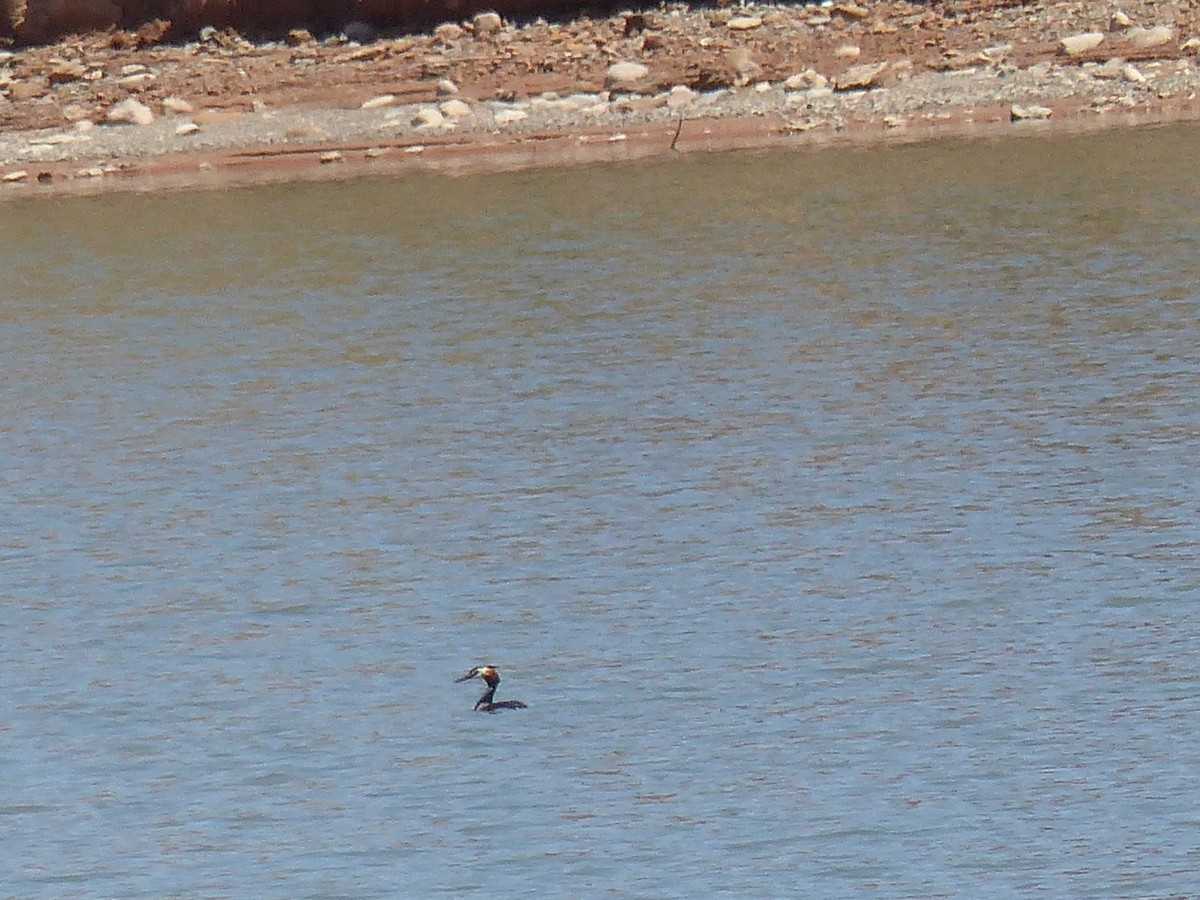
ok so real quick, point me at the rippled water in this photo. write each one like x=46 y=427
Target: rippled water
x=835 y=514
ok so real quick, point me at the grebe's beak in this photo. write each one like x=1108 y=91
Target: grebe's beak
x=468 y=676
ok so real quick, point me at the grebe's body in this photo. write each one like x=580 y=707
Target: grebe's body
x=491 y=678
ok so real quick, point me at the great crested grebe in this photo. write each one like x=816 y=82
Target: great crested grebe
x=491 y=678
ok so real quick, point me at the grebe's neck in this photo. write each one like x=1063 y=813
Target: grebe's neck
x=485 y=702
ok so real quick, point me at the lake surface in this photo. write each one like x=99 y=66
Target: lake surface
x=835 y=513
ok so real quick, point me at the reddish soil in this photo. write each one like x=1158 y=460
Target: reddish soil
x=81 y=77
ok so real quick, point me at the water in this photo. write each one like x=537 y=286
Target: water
x=835 y=514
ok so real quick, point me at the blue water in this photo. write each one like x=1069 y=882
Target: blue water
x=835 y=514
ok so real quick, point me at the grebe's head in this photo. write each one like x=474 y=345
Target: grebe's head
x=487 y=673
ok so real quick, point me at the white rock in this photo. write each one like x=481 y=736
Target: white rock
x=333 y=156
x=996 y=52
x=1119 y=21
x=176 y=105
x=803 y=81
x=859 y=77
x=379 y=100
x=129 y=112
x=1131 y=74
x=455 y=109
x=1029 y=113
x=625 y=76
x=848 y=51
x=1078 y=44
x=136 y=81
x=18 y=175
x=186 y=128
x=509 y=116
x=446 y=88
x=1141 y=38
x=427 y=118
x=581 y=101
x=680 y=97
x=744 y=23
x=487 y=23
x=1110 y=70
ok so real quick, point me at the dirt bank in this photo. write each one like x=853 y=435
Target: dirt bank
x=123 y=109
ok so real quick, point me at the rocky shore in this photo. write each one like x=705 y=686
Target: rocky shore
x=120 y=109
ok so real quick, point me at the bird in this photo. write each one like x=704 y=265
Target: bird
x=491 y=678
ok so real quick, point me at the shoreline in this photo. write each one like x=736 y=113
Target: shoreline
x=301 y=164
x=850 y=86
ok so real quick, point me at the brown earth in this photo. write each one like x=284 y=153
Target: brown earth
x=79 y=78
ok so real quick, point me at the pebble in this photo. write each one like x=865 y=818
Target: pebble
x=1131 y=74
x=1119 y=21
x=1141 y=38
x=62 y=71
x=427 y=118
x=448 y=31
x=859 y=77
x=446 y=88
x=1110 y=70
x=333 y=156
x=848 y=51
x=455 y=109
x=625 y=76
x=379 y=100
x=1078 y=44
x=806 y=80
x=486 y=23
x=18 y=175
x=177 y=105
x=1029 y=113
x=850 y=11
x=744 y=23
x=129 y=112
x=680 y=97
x=136 y=81
x=509 y=116
x=186 y=128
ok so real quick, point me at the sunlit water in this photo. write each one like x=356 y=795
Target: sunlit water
x=836 y=514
